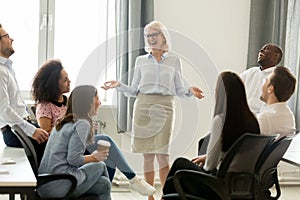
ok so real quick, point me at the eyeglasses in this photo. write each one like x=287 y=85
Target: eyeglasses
x=6 y=35
x=152 y=35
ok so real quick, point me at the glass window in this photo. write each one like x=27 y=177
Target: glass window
x=23 y=27
x=80 y=32
x=73 y=31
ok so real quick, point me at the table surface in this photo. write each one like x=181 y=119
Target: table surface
x=292 y=155
x=19 y=174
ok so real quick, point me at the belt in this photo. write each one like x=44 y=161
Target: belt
x=4 y=128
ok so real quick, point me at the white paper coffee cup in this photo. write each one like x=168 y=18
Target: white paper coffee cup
x=103 y=145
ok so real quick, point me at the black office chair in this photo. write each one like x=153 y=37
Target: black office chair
x=234 y=179
x=43 y=179
x=202 y=144
x=266 y=169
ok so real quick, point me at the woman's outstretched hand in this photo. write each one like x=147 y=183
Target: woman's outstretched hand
x=110 y=84
x=197 y=92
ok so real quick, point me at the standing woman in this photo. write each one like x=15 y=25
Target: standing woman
x=157 y=80
x=49 y=84
x=67 y=143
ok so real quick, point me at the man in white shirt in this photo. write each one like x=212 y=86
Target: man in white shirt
x=268 y=57
x=276 y=117
x=12 y=107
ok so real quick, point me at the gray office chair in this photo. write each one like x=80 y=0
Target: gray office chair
x=43 y=179
x=234 y=179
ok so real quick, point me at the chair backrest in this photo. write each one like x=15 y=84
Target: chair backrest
x=238 y=166
x=28 y=147
x=244 y=153
x=202 y=144
x=268 y=161
x=33 y=109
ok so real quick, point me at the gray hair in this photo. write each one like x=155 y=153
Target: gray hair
x=163 y=30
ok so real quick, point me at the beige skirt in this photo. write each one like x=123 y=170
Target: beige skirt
x=153 y=122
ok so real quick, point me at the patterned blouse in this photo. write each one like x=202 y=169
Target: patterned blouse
x=52 y=110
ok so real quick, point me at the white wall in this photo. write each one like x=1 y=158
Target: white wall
x=220 y=28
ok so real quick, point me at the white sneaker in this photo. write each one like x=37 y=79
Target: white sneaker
x=141 y=186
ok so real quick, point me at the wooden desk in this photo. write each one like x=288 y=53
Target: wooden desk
x=292 y=155
x=20 y=178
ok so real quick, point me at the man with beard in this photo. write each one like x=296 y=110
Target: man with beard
x=268 y=57
x=12 y=107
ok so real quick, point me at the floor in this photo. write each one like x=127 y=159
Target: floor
x=289 y=192
x=131 y=194
x=118 y=193
x=289 y=179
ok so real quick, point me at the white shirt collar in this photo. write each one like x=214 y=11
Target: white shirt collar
x=268 y=70
x=163 y=56
x=274 y=105
x=6 y=62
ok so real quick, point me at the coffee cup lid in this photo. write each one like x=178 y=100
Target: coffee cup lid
x=103 y=143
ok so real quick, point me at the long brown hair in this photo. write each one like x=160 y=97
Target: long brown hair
x=232 y=103
x=79 y=105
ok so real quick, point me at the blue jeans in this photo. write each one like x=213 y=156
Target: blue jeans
x=115 y=158
x=96 y=181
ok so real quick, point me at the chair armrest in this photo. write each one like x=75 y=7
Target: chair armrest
x=192 y=179
x=43 y=179
x=176 y=196
x=171 y=196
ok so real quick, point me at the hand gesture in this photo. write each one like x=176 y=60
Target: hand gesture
x=110 y=84
x=199 y=160
x=197 y=92
x=100 y=155
x=40 y=135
